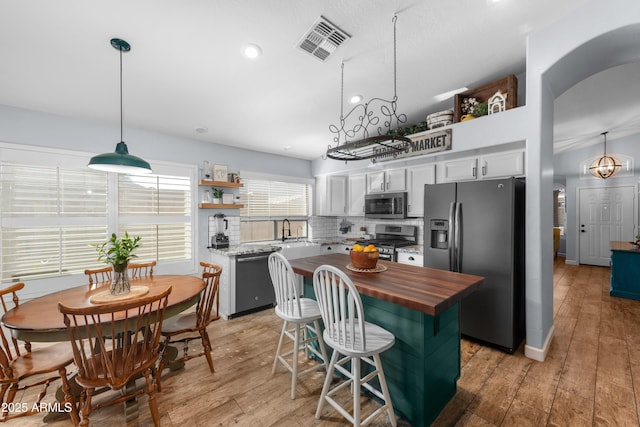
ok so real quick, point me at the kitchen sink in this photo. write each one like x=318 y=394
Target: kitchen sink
x=299 y=249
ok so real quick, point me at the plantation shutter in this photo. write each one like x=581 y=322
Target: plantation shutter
x=158 y=209
x=50 y=215
x=274 y=199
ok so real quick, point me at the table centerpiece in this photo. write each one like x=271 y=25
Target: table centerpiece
x=118 y=252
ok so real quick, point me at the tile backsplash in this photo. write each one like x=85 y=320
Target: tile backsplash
x=328 y=227
x=324 y=227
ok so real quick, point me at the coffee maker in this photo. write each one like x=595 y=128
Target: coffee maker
x=220 y=240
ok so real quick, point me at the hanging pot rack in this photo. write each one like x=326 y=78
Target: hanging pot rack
x=365 y=116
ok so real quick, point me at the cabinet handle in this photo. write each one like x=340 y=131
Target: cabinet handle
x=382 y=186
x=473 y=171
x=388 y=184
x=411 y=258
x=484 y=170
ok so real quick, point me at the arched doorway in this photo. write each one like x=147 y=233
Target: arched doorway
x=597 y=37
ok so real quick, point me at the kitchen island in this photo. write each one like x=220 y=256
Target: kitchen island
x=625 y=270
x=420 y=307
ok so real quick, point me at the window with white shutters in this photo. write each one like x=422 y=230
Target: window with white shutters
x=158 y=209
x=53 y=208
x=49 y=217
x=267 y=203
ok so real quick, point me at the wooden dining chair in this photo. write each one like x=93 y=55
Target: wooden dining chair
x=23 y=369
x=99 y=277
x=212 y=268
x=108 y=358
x=190 y=326
x=142 y=269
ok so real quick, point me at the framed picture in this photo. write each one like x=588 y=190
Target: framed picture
x=227 y=198
x=220 y=173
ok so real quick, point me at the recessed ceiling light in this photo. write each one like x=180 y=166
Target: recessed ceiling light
x=252 y=51
x=287 y=147
x=355 y=99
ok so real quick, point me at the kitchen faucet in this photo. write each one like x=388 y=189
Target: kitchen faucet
x=284 y=238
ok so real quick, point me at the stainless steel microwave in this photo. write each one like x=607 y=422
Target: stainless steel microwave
x=385 y=205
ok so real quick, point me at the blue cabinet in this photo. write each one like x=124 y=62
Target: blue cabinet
x=625 y=270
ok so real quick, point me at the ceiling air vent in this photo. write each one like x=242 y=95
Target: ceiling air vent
x=322 y=39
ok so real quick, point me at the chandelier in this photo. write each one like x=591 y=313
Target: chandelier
x=120 y=161
x=365 y=132
x=605 y=166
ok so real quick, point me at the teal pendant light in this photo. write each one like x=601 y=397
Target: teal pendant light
x=120 y=161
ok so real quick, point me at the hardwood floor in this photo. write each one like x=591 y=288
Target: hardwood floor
x=589 y=377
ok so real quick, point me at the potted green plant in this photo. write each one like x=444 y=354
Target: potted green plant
x=217 y=195
x=118 y=252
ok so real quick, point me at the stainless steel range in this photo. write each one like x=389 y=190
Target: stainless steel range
x=388 y=237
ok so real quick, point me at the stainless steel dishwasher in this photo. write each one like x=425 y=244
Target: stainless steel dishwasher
x=254 y=290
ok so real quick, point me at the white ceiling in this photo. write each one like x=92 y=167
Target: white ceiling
x=186 y=70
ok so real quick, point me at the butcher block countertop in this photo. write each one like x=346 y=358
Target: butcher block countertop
x=427 y=290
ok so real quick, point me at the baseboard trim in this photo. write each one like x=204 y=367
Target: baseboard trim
x=540 y=354
x=571 y=262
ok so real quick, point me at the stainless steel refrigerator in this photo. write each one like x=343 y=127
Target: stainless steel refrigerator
x=478 y=228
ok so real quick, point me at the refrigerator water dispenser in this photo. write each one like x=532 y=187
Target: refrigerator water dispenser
x=439 y=233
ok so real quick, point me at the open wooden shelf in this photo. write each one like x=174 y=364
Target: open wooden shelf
x=219 y=206
x=220 y=184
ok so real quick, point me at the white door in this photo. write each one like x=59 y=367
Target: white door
x=606 y=214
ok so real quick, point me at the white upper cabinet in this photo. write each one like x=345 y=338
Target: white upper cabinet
x=417 y=177
x=457 y=170
x=502 y=165
x=331 y=195
x=357 y=190
x=387 y=180
x=485 y=166
x=336 y=195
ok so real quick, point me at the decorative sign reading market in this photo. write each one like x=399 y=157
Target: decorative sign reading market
x=421 y=144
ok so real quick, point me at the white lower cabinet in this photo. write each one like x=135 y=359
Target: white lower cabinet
x=417 y=177
x=344 y=249
x=227 y=284
x=410 y=258
x=330 y=249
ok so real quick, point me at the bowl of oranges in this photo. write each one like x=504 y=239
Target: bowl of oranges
x=364 y=257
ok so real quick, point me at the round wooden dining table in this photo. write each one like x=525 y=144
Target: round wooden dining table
x=39 y=320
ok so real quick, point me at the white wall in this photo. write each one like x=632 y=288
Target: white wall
x=566 y=165
x=26 y=127
x=595 y=37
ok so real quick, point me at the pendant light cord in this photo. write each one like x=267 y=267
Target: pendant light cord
x=605 y=142
x=121 y=138
x=395 y=66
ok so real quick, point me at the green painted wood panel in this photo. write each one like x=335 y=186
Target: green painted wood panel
x=423 y=366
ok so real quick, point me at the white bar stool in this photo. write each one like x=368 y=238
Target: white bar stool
x=302 y=313
x=350 y=335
